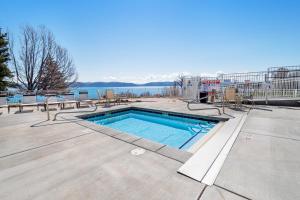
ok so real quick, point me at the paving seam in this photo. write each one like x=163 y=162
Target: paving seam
x=160 y=154
x=274 y=117
x=136 y=140
x=270 y=136
x=44 y=145
x=233 y=192
x=160 y=148
x=202 y=192
x=289 y=108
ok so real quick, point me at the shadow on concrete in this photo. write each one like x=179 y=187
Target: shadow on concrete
x=44 y=122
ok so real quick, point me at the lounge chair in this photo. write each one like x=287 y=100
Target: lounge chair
x=13 y=102
x=84 y=99
x=109 y=98
x=121 y=98
x=28 y=100
x=52 y=100
x=68 y=98
x=100 y=96
x=231 y=96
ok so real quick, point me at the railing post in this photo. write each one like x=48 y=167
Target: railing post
x=266 y=93
x=223 y=106
x=47 y=108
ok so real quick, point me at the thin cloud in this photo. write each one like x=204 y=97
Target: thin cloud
x=153 y=77
x=146 y=78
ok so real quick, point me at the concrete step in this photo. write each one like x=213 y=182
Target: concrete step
x=206 y=158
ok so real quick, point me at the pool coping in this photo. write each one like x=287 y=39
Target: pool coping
x=173 y=153
x=159 y=111
x=205 y=164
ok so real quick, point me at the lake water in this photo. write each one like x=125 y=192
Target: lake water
x=92 y=91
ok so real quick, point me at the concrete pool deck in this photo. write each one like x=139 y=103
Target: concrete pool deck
x=65 y=160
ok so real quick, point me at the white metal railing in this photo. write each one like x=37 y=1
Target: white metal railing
x=271 y=93
x=276 y=82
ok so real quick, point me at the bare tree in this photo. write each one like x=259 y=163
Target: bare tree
x=66 y=65
x=59 y=71
x=37 y=47
x=179 y=81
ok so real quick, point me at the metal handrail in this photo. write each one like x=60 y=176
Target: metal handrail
x=80 y=111
x=193 y=109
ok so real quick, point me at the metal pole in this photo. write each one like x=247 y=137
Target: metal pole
x=47 y=108
x=223 y=106
x=266 y=93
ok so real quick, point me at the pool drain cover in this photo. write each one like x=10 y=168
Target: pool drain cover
x=137 y=151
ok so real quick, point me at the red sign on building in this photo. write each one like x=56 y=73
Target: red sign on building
x=211 y=81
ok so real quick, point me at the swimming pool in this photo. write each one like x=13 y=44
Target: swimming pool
x=176 y=131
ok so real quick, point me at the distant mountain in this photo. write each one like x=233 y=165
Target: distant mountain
x=166 y=83
x=120 y=84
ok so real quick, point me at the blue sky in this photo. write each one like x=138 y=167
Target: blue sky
x=154 y=40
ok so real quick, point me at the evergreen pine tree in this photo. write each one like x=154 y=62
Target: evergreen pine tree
x=52 y=78
x=5 y=73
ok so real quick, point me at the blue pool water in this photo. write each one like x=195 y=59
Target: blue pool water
x=174 y=131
